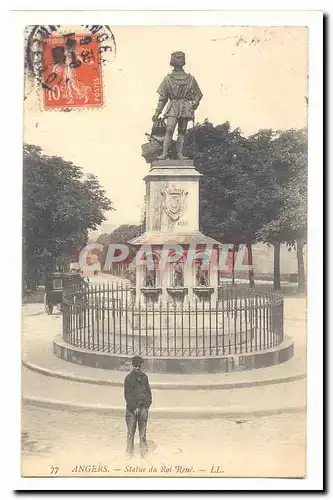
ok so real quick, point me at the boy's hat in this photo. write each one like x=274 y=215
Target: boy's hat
x=137 y=361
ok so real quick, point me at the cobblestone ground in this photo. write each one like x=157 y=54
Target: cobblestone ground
x=271 y=446
x=61 y=443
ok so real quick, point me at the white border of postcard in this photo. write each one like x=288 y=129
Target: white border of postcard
x=11 y=200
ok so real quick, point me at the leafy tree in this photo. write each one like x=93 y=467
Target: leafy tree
x=103 y=238
x=237 y=193
x=122 y=234
x=247 y=192
x=60 y=205
x=294 y=212
x=289 y=165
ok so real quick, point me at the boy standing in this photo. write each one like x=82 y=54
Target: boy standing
x=138 y=400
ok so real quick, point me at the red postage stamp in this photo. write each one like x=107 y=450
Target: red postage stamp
x=72 y=72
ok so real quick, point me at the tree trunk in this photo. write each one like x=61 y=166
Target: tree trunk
x=233 y=264
x=277 y=281
x=300 y=265
x=250 y=263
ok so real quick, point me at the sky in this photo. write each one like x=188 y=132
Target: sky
x=253 y=77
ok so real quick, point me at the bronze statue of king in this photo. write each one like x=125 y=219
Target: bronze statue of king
x=180 y=93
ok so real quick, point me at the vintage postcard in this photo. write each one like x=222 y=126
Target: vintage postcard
x=164 y=281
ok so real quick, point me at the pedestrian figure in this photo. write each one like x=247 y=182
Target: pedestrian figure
x=138 y=400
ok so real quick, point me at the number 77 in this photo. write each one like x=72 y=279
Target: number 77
x=54 y=469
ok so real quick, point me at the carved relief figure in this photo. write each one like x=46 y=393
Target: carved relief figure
x=178 y=276
x=150 y=278
x=202 y=277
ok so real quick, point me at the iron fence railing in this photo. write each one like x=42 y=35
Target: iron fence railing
x=111 y=319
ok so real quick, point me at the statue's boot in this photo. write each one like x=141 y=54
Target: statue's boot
x=181 y=139
x=166 y=145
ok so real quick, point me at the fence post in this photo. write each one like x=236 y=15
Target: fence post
x=65 y=320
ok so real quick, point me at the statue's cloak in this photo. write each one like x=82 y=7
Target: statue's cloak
x=181 y=89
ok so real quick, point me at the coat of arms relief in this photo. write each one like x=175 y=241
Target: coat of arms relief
x=174 y=202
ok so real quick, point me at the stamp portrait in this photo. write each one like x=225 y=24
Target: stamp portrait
x=72 y=75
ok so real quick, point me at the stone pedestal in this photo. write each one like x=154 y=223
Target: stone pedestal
x=172 y=197
x=172 y=218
